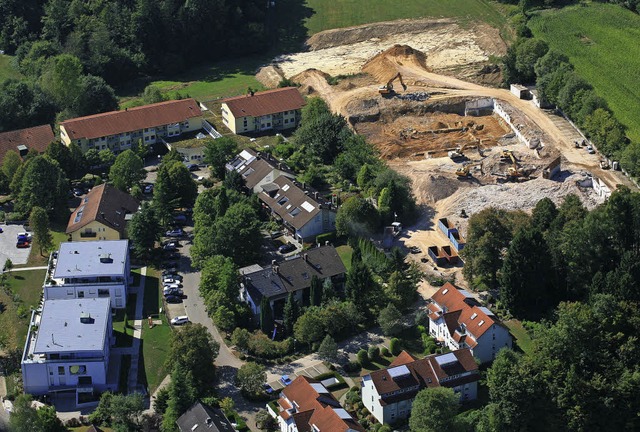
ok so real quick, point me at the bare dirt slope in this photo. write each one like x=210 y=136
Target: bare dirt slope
x=446 y=44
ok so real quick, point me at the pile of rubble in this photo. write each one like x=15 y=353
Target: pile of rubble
x=415 y=97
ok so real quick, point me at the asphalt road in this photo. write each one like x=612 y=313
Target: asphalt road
x=226 y=363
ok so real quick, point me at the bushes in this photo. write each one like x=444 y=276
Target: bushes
x=429 y=344
x=322 y=238
x=363 y=357
x=374 y=353
x=385 y=352
x=258 y=344
x=395 y=346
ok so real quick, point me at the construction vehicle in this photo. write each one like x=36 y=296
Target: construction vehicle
x=387 y=89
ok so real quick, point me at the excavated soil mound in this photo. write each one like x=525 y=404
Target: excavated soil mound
x=310 y=76
x=384 y=66
x=270 y=76
x=434 y=188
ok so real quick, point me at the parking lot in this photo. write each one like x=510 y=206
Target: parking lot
x=8 y=249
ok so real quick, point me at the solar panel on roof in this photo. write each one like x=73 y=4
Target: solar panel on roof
x=398 y=371
x=446 y=359
x=465 y=293
x=319 y=388
x=487 y=311
x=342 y=413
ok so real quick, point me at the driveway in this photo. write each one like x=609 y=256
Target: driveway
x=8 y=249
x=226 y=363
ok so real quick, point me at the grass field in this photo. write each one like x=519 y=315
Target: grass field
x=155 y=341
x=602 y=42
x=26 y=288
x=6 y=68
x=520 y=334
x=346 y=13
x=204 y=83
x=345 y=252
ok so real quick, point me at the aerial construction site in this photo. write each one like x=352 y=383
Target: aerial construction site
x=424 y=94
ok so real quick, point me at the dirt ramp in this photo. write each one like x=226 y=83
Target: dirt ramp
x=385 y=65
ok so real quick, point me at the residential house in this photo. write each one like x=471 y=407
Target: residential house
x=460 y=321
x=303 y=213
x=97 y=269
x=101 y=215
x=23 y=140
x=258 y=169
x=388 y=393
x=255 y=112
x=67 y=348
x=306 y=405
x=118 y=130
x=201 y=417
x=291 y=276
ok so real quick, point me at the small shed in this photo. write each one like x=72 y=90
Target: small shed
x=521 y=91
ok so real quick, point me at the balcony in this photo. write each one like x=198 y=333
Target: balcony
x=88 y=234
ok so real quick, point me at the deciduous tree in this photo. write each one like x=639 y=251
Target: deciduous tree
x=144 y=230
x=251 y=377
x=434 y=410
x=218 y=152
x=127 y=170
x=40 y=225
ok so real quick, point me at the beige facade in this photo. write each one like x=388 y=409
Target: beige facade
x=123 y=141
x=278 y=121
x=95 y=231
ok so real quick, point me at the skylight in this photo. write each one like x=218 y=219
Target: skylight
x=78 y=215
x=480 y=323
x=474 y=315
x=446 y=290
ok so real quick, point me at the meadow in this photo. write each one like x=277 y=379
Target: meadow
x=6 y=68
x=346 y=13
x=601 y=41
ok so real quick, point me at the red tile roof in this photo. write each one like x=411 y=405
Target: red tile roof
x=35 y=138
x=426 y=372
x=461 y=309
x=266 y=102
x=403 y=359
x=317 y=408
x=132 y=119
x=105 y=204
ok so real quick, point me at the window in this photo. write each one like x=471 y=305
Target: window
x=80 y=294
x=60 y=370
x=103 y=293
x=286 y=121
x=118 y=293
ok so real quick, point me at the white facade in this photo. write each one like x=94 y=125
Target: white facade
x=485 y=348
x=323 y=222
x=66 y=352
x=97 y=269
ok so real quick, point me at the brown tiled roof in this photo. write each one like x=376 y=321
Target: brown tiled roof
x=274 y=194
x=324 y=408
x=465 y=310
x=266 y=102
x=106 y=204
x=424 y=373
x=132 y=119
x=35 y=138
x=403 y=359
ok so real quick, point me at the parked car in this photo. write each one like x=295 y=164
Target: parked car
x=169 y=280
x=276 y=234
x=173 y=292
x=286 y=248
x=172 y=256
x=179 y=320
x=193 y=167
x=590 y=150
x=173 y=299
x=78 y=192
x=175 y=233
x=284 y=379
x=180 y=219
x=22 y=244
x=148 y=189
x=414 y=250
x=168 y=286
x=1 y=231
x=169 y=269
x=174 y=276
x=267 y=388
x=169 y=247
x=24 y=236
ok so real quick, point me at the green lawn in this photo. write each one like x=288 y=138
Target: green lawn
x=602 y=42
x=155 y=341
x=345 y=252
x=225 y=79
x=520 y=334
x=28 y=286
x=346 y=13
x=6 y=68
x=27 y=290
x=123 y=323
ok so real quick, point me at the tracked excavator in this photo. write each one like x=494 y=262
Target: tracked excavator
x=387 y=89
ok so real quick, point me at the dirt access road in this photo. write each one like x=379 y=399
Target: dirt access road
x=420 y=79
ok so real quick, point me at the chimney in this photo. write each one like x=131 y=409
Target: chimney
x=305 y=257
x=315 y=195
x=326 y=242
x=102 y=215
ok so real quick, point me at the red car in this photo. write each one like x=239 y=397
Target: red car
x=22 y=244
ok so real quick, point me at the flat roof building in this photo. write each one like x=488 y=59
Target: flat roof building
x=90 y=269
x=68 y=347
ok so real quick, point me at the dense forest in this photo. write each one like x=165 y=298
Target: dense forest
x=72 y=52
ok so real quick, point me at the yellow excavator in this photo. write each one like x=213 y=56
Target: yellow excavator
x=387 y=89
x=513 y=170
